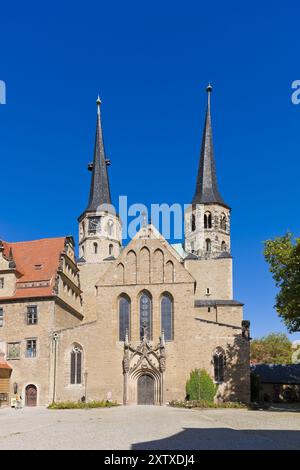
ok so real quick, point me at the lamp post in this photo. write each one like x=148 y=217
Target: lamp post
x=55 y=340
x=85 y=384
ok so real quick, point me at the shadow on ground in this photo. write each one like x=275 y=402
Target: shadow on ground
x=224 y=438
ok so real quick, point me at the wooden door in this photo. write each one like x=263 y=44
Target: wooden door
x=31 y=395
x=145 y=390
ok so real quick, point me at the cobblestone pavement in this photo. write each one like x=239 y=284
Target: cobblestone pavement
x=142 y=427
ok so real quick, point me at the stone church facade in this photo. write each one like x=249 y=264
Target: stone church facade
x=124 y=323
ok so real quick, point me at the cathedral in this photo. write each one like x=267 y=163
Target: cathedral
x=124 y=323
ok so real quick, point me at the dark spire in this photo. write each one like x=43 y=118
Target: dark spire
x=100 y=190
x=207 y=186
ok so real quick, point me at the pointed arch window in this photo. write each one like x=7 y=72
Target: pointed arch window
x=110 y=226
x=219 y=365
x=207 y=220
x=124 y=316
x=76 y=365
x=208 y=245
x=146 y=315
x=223 y=222
x=193 y=223
x=223 y=246
x=167 y=316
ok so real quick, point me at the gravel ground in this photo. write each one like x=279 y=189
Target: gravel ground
x=148 y=427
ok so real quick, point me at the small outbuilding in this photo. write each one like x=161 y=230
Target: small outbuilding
x=279 y=382
x=5 y=373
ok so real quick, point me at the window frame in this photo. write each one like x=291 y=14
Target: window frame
x=35 y=314
x=76 y=351
x=167 y=295
x=1 y=317
x=217 y=357
x=149 y=296
x=33 y=354
x=10 y=343
x=126 y=298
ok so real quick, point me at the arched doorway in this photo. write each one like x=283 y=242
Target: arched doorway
x=31 y=395
x=145 y=390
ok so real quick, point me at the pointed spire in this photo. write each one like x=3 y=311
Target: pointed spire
x=207 y=186
x=100 y=190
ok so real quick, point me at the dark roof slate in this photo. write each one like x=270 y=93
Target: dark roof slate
x=207 y=191
x=100 y=189
x=277 y=373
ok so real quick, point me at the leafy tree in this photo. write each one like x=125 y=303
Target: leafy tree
x=200 y=386
x=275 y=348
x=283 y=256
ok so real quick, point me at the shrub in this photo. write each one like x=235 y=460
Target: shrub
x=202 y=404
x=200 y=386
x=75 y=405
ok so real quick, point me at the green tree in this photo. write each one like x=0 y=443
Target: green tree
x=275 y=348
x=200 y=386
x=283 y=256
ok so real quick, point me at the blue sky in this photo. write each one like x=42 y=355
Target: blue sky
x=150 y=62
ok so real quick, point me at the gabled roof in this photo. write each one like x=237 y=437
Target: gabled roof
x=148 y=237
x=277 y=373
x=37 y=263
x=207 y=191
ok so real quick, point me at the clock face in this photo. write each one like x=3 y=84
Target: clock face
x=94 y=224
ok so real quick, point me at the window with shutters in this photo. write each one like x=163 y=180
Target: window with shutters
x=76 y=365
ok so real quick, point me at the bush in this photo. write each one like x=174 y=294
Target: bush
x=205 y=404
x=73 y=405
x=200 y=386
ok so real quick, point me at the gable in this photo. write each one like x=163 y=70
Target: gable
x=146 y=260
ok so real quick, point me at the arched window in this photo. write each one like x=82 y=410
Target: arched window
x=219 y=365
x=167 y=317
x=76 y=365
x=111 y=250
x=193 y=222
x=223 y=246
x=145 y=315
x=124 y=316
x=110 y=226
x=207 y=220
x=95 y=248
x=208 y=245
x=82 y=230
x=223 y=222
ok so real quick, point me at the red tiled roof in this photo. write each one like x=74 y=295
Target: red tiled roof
x=3 y=364
x=36 y=261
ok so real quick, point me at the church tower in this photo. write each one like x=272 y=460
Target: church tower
x=207 y=220
x=100 y=231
